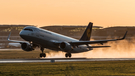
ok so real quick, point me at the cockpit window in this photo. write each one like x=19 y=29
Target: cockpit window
x=28 y=29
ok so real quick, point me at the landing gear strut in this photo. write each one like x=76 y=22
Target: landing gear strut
x=42 y=54
x=68 y=55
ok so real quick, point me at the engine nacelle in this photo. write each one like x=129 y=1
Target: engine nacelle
x=26 y=47
x=65 y=46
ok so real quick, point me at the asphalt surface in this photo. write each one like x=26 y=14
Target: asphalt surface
x=61 y=60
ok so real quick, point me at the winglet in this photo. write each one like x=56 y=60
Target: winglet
x=123 y=36
x=9 y=36
x=16 y=40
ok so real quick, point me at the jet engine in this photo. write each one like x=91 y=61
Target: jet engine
x=26 y=47
x=65 y=46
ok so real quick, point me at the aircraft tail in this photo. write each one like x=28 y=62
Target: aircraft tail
x=87 y=34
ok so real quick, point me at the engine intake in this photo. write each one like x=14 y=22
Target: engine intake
x=26 y=47
x=65 y=46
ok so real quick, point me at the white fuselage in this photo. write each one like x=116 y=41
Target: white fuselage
x=47 y=39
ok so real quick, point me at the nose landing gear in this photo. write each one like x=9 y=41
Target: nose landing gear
x=42 y=54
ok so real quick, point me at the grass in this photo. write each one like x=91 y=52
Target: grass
x=20 y=54
x=94 y=68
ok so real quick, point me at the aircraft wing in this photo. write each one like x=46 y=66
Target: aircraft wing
x=16 y=40
x=96 y=41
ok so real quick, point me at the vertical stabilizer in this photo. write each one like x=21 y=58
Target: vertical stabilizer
x=87 y=34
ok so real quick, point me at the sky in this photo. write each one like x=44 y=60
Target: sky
x=68 y=12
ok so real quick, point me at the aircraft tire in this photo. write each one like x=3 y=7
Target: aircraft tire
x=69 y=55
x=66 y=55
x=44 y=55
x=40 y=54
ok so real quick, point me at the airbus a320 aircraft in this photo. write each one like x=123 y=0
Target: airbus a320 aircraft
x=37 y=37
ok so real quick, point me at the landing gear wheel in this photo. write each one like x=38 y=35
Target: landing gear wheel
x=42 y=55
x=68 y=55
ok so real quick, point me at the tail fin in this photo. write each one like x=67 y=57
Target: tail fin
x=87 y=34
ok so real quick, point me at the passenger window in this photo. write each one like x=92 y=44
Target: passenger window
x=28 y=29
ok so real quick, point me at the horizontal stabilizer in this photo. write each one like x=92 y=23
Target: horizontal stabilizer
x=98 y=46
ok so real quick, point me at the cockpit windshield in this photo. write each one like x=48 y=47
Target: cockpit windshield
x=28 y=29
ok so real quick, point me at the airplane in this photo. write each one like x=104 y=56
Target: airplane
x=37 y=37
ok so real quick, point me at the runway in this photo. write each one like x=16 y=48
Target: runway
x=61 y=60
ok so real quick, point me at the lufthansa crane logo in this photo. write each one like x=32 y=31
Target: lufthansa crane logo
x=88 y=33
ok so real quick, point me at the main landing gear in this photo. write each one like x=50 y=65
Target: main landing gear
x=68 y=55
x=42 y=54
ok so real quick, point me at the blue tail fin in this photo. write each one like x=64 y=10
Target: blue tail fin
x=87 y=34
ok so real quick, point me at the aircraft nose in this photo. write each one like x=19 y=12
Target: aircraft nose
x=21 y=33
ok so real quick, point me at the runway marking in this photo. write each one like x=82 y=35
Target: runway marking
x=61 y=60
